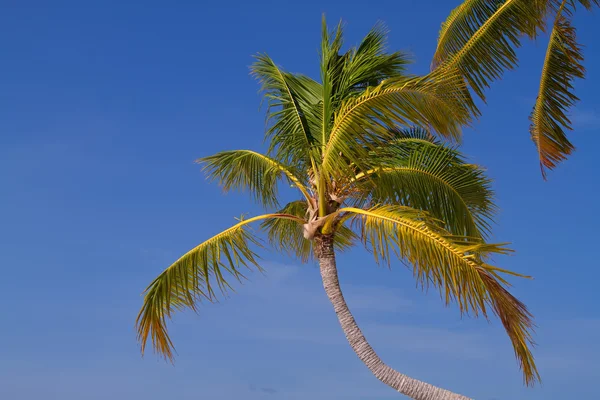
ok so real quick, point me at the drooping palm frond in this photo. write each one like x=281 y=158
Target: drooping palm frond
x=457 y=268
x=252 y=171
x=193 y=278
x=293 y=115
x=479 y=37
x=517 y=321
x=413 y=171
x=549 y=118
x=438 y=101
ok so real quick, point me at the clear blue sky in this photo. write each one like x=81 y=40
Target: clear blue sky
x=104 y=105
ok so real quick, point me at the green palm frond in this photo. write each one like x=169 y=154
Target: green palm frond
x=293 y=114
x=439 y=101
x=454 y=266
x=344 y=237
x=287 y=235
x=345 y=75
x=415 y=172
x=252 y=171
x=332 y=64
x=479 y=38
x=401 y=144
x=400 y=138
x=193 y=278
x=549 y=116
x=368 y=64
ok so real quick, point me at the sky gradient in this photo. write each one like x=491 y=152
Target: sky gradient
x=104 y=105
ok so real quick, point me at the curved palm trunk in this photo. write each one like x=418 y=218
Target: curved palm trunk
x=410 y=387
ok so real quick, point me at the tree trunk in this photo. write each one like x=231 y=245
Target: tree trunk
x=410 y=387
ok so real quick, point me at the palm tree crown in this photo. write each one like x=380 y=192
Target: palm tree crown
x=362 y=146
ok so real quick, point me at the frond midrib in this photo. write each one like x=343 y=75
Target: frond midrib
x=285 y=170
x=473 y=39
x=232 y=229
x=413 y=226
x=442 y=35
x=336 y=127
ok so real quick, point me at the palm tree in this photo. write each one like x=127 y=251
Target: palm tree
x=479 y=38
x=360 y=148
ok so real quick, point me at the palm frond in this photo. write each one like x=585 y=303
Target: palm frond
x=417 y=173
x=415 y=133
x=549 y=118
x=479 y=37
x=287 y=235
x=344 y=237
x=332 y=64
x=248 y=170
x=439 y=101
x=293 y=114
x=517 y=321
x=589 y=4
x=193 y=278
x=368 y=64
x=453 y=265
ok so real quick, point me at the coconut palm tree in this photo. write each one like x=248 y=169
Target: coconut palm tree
x=480 y=37
x=362 y=148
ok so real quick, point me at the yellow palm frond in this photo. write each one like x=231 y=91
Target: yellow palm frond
x=193 y=278
x=549 y=118
x=455 y=265
x=249 y=170
x=479 y=37
x=439 y=101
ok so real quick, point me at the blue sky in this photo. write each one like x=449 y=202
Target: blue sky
x=104 y=105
